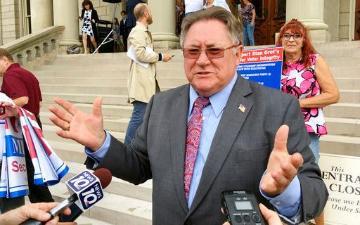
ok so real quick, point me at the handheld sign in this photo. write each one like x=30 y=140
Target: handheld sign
x=263 y=66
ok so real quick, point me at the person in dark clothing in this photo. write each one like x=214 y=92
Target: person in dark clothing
x=23 y=87
x=130 y=18
x=124 y=31
x=90 y=18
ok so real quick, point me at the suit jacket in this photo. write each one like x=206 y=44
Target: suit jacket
x=237 y=159
x=142 y=82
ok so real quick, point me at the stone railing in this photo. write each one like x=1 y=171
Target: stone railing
x=36 y=49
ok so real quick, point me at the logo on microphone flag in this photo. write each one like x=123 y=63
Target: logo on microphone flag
x=87 y=188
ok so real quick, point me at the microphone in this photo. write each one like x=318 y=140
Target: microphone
x=85 y=189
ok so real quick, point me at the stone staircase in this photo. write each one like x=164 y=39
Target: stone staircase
x=80 y=78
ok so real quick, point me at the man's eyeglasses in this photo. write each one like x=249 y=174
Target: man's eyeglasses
x=211 y=53
x=294 y=36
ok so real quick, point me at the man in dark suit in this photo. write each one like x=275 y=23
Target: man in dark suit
x=219 y=132
x=131 y=20
x=124 y=32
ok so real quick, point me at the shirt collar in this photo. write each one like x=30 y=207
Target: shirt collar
x=217 y=101
x=13 y=65
x=143 y=27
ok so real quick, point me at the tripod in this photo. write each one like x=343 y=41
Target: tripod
x=108 y=39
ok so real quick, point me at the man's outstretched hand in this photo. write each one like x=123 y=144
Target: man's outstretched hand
x=86 y=129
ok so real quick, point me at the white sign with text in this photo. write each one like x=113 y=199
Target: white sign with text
x=341 y=175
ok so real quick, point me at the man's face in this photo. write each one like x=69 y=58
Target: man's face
x=209 y=76
x=3 y=65
x=149 y=18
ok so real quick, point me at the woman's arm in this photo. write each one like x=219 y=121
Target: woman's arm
x=329 y=91
x=95 y=16
x=253 y=16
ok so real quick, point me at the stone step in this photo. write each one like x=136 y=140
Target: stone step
x=113 y=209
x=109 y=111
x=48 y=97
x=117 y=186
x=67 y=150
x=106 y=81
x=50 y=133
x=352 y=72
x=343 y=110
x=113 y=125
x=350 y=96
x=122 y=72
x=84 y=89
x=342 y=126
x=348 y=83
x=338 y=144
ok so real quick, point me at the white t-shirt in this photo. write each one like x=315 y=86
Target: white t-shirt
x=193 y=5
x=220 y=3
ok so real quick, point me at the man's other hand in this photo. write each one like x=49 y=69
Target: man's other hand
x=282 y=167
x=166 y=57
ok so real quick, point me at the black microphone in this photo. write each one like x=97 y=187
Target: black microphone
x=86 y=191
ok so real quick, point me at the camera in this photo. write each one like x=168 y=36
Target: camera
x=241 y=208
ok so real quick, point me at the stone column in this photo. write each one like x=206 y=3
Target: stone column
x=163 y=27
x=66 y=13
x=311 y=13
x=41 y=14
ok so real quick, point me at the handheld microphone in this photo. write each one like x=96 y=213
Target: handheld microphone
x=86 y=191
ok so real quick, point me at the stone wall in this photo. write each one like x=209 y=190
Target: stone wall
x=9 y=16
x=344 y=20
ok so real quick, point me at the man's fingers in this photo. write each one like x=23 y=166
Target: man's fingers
x=265 y=212
x=289 y=170
x=281 y=138
x=68 y=106
x=33 y=211
x=97 y=107
x=297 y=160
x=60 y=113
x=59 y=122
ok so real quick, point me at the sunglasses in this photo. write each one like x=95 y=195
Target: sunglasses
x=296 y=36
x=211 y=53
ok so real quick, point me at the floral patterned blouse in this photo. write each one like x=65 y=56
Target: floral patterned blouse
x=301 y=82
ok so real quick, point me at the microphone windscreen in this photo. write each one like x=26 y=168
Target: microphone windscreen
x=104 y=176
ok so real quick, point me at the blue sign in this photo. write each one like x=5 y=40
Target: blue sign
x=263 y=66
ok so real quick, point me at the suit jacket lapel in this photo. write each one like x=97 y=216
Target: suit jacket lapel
x=177 y=133
x=230 y=124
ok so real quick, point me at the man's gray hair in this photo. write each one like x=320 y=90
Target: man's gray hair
x=214 y=13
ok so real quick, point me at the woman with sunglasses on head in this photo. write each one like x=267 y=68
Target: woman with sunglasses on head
x=90 y=18
x=307 y=76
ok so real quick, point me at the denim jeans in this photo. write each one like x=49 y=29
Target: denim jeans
x=315 y=146
x=248 y=35
x=135 y=120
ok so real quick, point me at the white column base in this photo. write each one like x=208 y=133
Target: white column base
x=318 y=31
x=165 y=40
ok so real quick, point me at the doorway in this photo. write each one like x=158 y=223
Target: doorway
x=270 y=17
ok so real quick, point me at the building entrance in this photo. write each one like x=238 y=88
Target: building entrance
x=270 y=17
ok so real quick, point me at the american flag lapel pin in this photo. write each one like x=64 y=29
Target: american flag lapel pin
x=242 y=108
